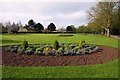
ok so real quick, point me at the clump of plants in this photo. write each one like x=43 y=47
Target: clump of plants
x=82 y=44
x=24 y=44
x=68 y=49
x=56 y=45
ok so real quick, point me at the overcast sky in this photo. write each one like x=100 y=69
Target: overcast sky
x=62 y=13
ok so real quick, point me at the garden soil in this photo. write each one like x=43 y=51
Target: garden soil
x=14 y=59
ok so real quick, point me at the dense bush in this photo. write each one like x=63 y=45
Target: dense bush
x=24 y=44
x=56 y=45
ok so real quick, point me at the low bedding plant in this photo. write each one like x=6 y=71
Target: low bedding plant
x=54 y=50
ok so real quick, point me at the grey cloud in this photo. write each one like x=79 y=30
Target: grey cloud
x=61 y=13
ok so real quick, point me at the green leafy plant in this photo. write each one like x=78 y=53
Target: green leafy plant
x=60 y=49
x=45 y=51
x=76 y=48
x=24 y=44
x=56 y=45
x=34 y=48
x=38 y=49
x=82 y=44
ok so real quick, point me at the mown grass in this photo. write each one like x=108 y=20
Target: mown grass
x=12 y=39
x=107 y=70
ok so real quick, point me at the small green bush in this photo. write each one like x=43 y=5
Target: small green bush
x=82 y=44
x=24 y=44
x=56 y=45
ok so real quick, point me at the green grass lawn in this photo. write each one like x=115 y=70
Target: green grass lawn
x=107 y=70
x=12 y=39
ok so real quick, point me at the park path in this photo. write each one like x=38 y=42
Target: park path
x=114 y=36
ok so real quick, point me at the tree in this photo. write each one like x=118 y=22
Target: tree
x=70 y=28
x=1 y=27
x=115 y=28
x=51 y=27
x=102 y=14
x=31 y=22
x=94 y=27
x=80 y=29
x=38 y=27
x=12 y=28
x=32 y=26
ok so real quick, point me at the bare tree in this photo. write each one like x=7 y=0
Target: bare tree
x=102 y=14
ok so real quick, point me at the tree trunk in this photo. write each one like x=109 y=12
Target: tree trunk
x=108 y=32
x=108 y=28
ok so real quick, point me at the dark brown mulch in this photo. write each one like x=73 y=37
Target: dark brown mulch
x=14 y=59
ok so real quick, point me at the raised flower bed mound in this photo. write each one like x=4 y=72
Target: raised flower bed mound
x=59 y=50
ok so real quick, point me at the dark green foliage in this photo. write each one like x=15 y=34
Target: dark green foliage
x=38 y=27
x=51 y=27
x=32 y=26
x=70 y=28
x=31 y=22
x=24 y=44
x=56 y=45
x=66 y=35
x=34 y=48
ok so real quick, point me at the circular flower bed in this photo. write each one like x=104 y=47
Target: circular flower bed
x=14 y=59
x=66 y=35
x=48 y=49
